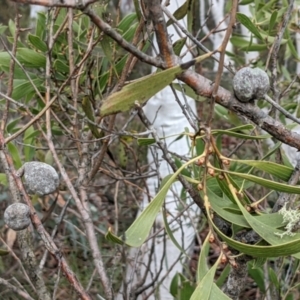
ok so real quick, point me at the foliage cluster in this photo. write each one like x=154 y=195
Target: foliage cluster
x=63 y=86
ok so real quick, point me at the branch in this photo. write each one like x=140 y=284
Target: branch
x=58 y=3
x=16 y=290
x=47 y=240
x=111 y=32
x=204 y=87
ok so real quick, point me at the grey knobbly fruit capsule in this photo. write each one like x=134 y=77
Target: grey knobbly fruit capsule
x=250 y=84
x=40 y=178
x=17 y=216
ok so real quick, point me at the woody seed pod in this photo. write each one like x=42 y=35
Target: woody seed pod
x=17 y=216
x=250 y=84
x=40 y=178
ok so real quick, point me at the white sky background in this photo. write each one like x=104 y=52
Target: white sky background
x=34 y=9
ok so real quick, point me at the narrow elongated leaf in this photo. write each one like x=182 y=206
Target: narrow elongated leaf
x=139 y=230
x=3 y=179
x=291 y=45
x=60 y=66
x=245 y=2
x=180 y=13
x=37 y=42
x=12 y=126
x=273 y=20
x=170 y=234
x=31 y=58
x=243 y=44
x=205 y=286
x=126 y=22
x=248 y=24
x=273 y=220
x=142 y=89
x=202 y=267
x=178 y=45
x=40 y=25
x=4 y=59
x=258 y=250
x=13 y=150
x=24 y=87
x=242 y=135
x=281 y=187
x=267 y=232
x=281 y=246
x=216 y=293
x=29 y=151
x=145 y=141
x=181 y=288
x=2 y=28
x=12 y=27
x=3 y=252
x=89 y=111
x=241 y=127
x=280 y=171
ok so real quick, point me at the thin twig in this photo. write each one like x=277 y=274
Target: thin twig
x=16 y=290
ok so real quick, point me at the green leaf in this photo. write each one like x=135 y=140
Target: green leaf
x=207 y=289
x=216 y=293
x=40 y=25
x=11 y=127
x=31 y=58
x=291 y=45
x=241 y=135
x=170 y=233
x=29 y=151
x=89 y=111
x=122 y=155
x=281 y=246
x=257 y=274
x=2 y=28
x=24 y=87
x=273 y=20
x=12 y=27
x=3 y=179
x=222 y=278
x=145 y=141
x=142 y=89
x=224 y=209
x=180 y=12
x=245 y=2
x=261 y=251
x=106 y=45
x=246 y=45
x=248 y=24
x=178 y=45
x=139 y=230
x=37 y=42
x=281 y=187
x=274 y=279
x=181 y=288
x=113 y=238
x=280 y=171
x=126 y=22
x=4 y=59
x=3 y=252
x=14 y=152
x=241 y=128
x=202 y=267
x=61 y=66
x=128 y=35
x=267 y=232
